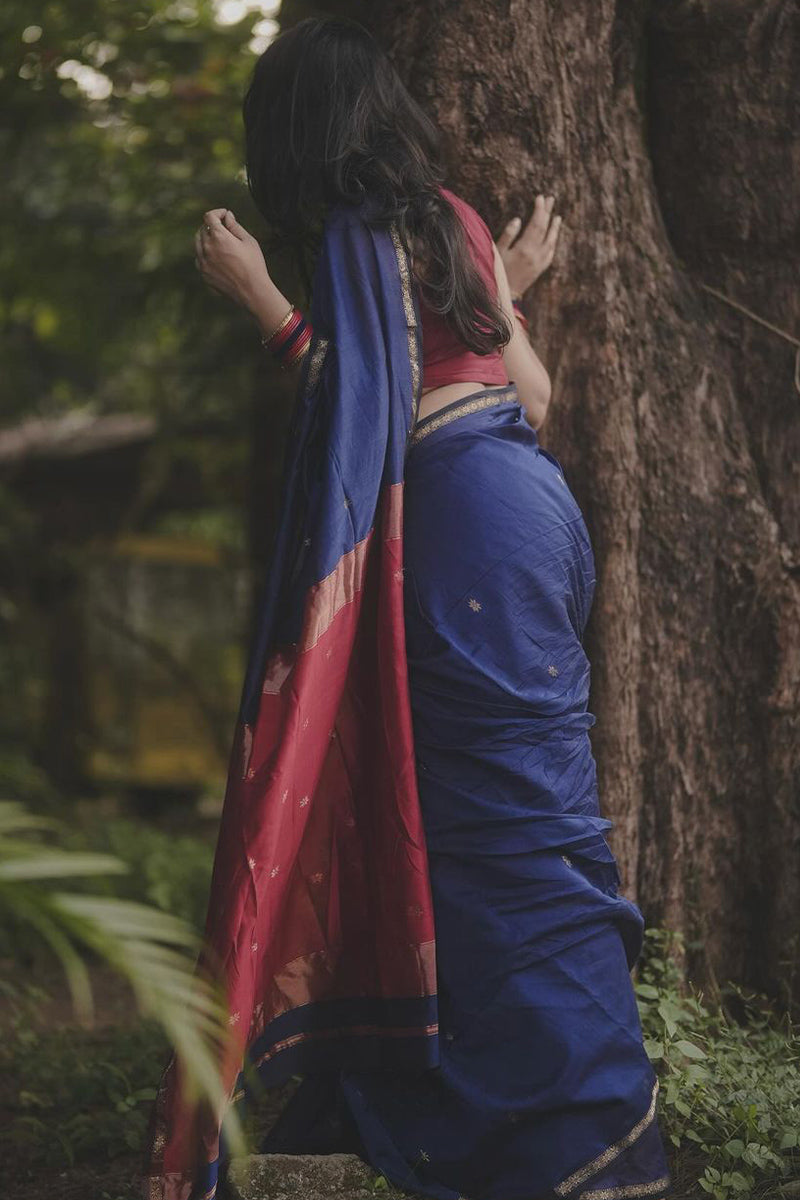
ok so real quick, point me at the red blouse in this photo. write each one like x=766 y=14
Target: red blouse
x=446 y=359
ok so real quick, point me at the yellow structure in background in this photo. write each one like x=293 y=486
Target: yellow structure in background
x=165 y=624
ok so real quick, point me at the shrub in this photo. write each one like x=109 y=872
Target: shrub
x=730 y=1088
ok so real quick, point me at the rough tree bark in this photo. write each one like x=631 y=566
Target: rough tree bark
x=677 y=423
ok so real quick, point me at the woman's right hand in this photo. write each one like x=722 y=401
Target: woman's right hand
x=230 y=259
x=529 y=256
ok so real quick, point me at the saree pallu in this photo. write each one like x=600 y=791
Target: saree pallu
x=319 y=928
x=543 y=1088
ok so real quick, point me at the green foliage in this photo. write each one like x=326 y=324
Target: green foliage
x=120 y=126
x=153 y=951
x=170 y=871
x=75 y=1094
x=730 y=1088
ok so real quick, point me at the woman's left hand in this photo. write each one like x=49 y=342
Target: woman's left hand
x=532 y=253
x=229 y=258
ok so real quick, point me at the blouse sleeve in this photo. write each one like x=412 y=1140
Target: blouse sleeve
x=479 y=237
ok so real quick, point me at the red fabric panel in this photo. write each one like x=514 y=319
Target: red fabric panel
x=320 y=886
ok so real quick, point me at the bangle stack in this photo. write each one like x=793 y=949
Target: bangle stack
x=290 y=341
x=517 y=302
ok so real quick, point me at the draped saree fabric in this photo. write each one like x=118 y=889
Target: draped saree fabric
x=543 y=1090
x=412 y=761
x=319 y=921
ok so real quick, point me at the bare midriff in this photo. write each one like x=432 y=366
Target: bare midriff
x=436 y=397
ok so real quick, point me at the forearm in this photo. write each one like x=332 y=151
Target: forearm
x=284 y=329
x=528 y=371
x=521 y=360
x=268 y=306
x=533 y=384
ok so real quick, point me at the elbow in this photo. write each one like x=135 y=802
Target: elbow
x=535 y=398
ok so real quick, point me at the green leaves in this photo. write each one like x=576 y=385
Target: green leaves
x=153 y=950
x=730 y=1089
x=690 y=1050
x=118 y=129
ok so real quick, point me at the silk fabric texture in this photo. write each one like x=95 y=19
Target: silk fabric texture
x=319 y=924
x=413 y=903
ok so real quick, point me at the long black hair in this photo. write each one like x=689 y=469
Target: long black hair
x=327 y=119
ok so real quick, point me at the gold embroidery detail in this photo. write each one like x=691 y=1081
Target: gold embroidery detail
x=629 y=1190
x=315 y=364
x=411 y=319
x=474 y=604
x=552 y=670
x=469 y=406
x=583 y=1173
x=405 y=275
x=247 y=748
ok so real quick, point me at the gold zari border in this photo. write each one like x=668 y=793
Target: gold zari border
x=629 y=1190
x=315 y=365
x=469 y=406
x=583 y=1173
x=411 y=318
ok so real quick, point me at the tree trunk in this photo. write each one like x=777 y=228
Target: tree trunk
x=685 y=464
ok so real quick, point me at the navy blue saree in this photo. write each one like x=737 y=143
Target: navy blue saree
x=497 y=1052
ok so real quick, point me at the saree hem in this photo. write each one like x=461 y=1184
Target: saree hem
x=577 y=1178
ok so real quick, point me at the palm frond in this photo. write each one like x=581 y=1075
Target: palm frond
x=154 y=951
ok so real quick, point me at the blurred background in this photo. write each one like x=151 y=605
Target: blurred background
x=141 y=439
x=141 y=429
x=129 y=396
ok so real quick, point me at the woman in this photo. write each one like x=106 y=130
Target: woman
x=413 y=905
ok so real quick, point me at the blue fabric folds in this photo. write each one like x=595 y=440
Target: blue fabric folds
x=353 y=412
x=544 y=1089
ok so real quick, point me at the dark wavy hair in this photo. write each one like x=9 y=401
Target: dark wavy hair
x=327 y=120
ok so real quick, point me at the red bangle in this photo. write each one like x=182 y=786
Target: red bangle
x=291 y=339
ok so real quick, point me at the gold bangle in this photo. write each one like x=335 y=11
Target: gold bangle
x=268 y=337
